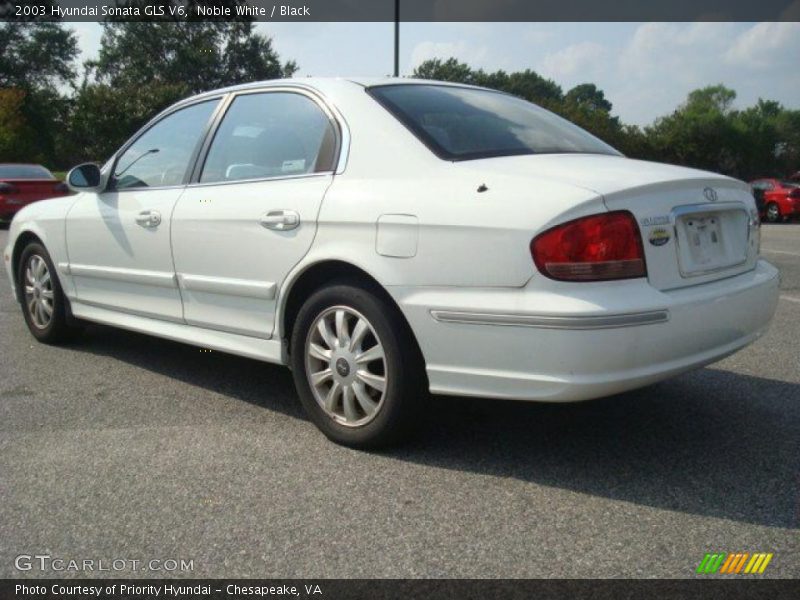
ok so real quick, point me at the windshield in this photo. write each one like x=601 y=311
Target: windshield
x=24 y=172
x=464 y=123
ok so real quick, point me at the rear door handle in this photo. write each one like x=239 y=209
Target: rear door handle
x=281 y=220
x=149 y=218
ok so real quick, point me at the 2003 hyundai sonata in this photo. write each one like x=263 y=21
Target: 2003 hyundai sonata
x=386 y=238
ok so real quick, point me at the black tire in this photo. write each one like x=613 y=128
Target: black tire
x=58 y=330
x=773 y=214
x=405 y=379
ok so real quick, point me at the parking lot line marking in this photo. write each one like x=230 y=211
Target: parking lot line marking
x=790 y=298
x=780 y=252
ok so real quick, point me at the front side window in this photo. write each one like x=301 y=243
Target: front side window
x=161 y=155
x=271 y=134
x=460 y=123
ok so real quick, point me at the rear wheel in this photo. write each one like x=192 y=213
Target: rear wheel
x=43 y=302
x=356 y=368
x=773 y=212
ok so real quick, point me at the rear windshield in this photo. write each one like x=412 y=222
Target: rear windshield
x=464 y=123
x=24 y=172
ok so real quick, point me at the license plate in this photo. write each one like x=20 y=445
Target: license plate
x=711 y=241
x=705 y=240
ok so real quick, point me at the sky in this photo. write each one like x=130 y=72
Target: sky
x=645 y=69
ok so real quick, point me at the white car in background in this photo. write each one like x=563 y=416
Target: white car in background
x=388 y=238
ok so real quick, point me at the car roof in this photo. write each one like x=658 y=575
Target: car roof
x=323 y=84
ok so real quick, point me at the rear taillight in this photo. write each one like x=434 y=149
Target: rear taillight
x=595 y=248
x=7 y=188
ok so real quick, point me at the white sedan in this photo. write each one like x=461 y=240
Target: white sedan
x=386 y=238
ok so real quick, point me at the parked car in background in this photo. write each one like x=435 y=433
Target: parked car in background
x=21 y=184
x=386 y=238
x=777 y=200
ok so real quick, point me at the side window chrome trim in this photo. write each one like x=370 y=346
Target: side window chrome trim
x=199 y=184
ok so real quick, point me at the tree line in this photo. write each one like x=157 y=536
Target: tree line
x=51 y=113
x=59 y=113
x=704 y=132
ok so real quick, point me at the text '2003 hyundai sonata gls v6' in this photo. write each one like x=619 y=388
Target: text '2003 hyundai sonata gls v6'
x=386 y=238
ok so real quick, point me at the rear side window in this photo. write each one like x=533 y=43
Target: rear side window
x=271 y=134
x=464 y=123
x=24 y=172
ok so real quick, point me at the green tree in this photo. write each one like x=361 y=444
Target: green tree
x=37 y=64
x=525 y=84
x=586 y=106
x=701 y=133
x=533 y=87
x=448 y=70
x=144 y=67
x=589 y=97
x=197 y=55
x=705 y=132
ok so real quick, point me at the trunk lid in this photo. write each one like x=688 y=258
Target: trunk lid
x=693 y=231
x=28 y=190
x=696 y=226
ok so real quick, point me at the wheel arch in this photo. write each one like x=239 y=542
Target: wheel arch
x=315 y=276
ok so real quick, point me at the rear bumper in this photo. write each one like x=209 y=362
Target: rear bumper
x=500 y=343
x=10 y=207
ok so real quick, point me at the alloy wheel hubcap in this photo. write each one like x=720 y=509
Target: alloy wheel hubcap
x=38 y=291
x=773 y=212
x=346 y=366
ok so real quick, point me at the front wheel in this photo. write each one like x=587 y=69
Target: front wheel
x=356 y=367
x=43 y=301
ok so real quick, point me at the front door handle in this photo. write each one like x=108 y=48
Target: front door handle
x=149 y=218
x=281 y=220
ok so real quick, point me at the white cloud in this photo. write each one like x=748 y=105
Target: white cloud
x=662 y=62
x=474 y=56
x=584 y=58
x=539 y=36
x=88 y=35
x=676 y=49
x=764 y=44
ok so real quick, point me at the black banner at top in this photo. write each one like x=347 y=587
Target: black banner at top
x=409 y=10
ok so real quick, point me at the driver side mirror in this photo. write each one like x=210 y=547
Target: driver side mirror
x=85 y=178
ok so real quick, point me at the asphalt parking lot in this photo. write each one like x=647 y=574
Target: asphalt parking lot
x=122 y=446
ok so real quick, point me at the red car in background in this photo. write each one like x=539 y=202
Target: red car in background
x=22 y=184
x=777 y=200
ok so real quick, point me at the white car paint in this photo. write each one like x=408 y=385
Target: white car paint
x=456 y=260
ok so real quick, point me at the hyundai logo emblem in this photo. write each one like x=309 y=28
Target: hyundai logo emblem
x=710 y=194
x=342 y=367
